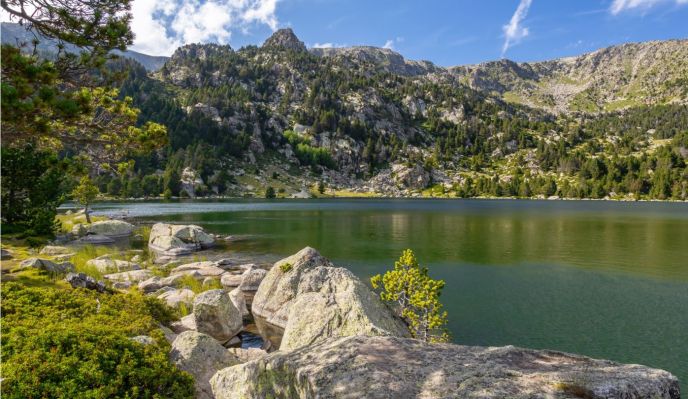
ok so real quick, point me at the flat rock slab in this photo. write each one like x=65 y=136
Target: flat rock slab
x=133 y=276
x=390 y=367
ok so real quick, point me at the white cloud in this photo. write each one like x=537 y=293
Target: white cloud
x=328 y=45
x=619 y=6
x=389 y=44
x=161 y=26
x=514 y=31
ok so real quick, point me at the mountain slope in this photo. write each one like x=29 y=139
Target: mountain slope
x=366 y=120
x=608 y=79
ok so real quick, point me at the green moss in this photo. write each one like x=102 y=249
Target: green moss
x=286 y=267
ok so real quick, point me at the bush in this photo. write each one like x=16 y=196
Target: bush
x=76 y=343
x=270 y=192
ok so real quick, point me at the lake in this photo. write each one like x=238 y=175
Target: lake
x=604 y=279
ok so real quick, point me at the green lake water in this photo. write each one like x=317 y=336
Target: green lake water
x=604 y=279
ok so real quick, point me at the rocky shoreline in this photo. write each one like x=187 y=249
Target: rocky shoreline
x=325 y=334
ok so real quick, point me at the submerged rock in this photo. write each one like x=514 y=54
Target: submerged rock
x=390 y=367
x=216 y=316
x=95 y=239
x=175 y=240
x=312 y=300
x=201 y=356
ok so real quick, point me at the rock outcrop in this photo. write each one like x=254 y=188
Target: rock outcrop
x=47 y=265
x=82 y=280
x=216 y=316
x=311 y=300
x=390 y=367
x=201 y=356
x=174 y=240
x=198 y=270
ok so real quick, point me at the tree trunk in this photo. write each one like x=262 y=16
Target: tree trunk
x=88 y=217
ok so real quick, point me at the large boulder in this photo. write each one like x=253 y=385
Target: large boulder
x=216 y=316
x=414 y=177
x=175 y=240
x=201 y=356
x=391 y=367
x=311 y=300
x=174 y=297
x=47 y=265
x=110 y=228
x=82 y=280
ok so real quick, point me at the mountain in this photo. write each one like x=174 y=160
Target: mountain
x=608 y=79
x=365 y=120
x=18 y=35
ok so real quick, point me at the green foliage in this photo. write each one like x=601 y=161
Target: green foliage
x=270 y=192
x=416 y=295
x=83 y=347
x=307 y=154
x=32 y=189
x=85 y=193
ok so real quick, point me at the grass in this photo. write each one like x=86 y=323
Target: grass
x=88 y=252
x=197 y=286
x=144 y=231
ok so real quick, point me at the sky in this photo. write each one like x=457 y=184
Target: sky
x=446 y=32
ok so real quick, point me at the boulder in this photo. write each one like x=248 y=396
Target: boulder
x=248 y=354
x=231 y=280
x=391 y=367
x=201 y=356
x=156 y=283
x=311 y=300
x=198 y=269
x=216 y=316
x=251 y=279
x=5 y=254
x=239 y=302
x=414 y=177
x=175 y=297
x=82 y=280
x=47 y=265
x=133 y=276
x=110 y=228
x=175 y=240
x=95 y=239
x=106 y=265
x=52 y=250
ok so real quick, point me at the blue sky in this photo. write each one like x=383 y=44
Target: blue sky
x=449 y=32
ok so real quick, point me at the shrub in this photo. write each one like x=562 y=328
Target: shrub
x=270 y=192
x=76 y=343
x=416 y=297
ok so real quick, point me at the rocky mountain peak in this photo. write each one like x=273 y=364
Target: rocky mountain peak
x=284 y=39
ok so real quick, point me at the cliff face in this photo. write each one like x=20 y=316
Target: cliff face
x=388 y=367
